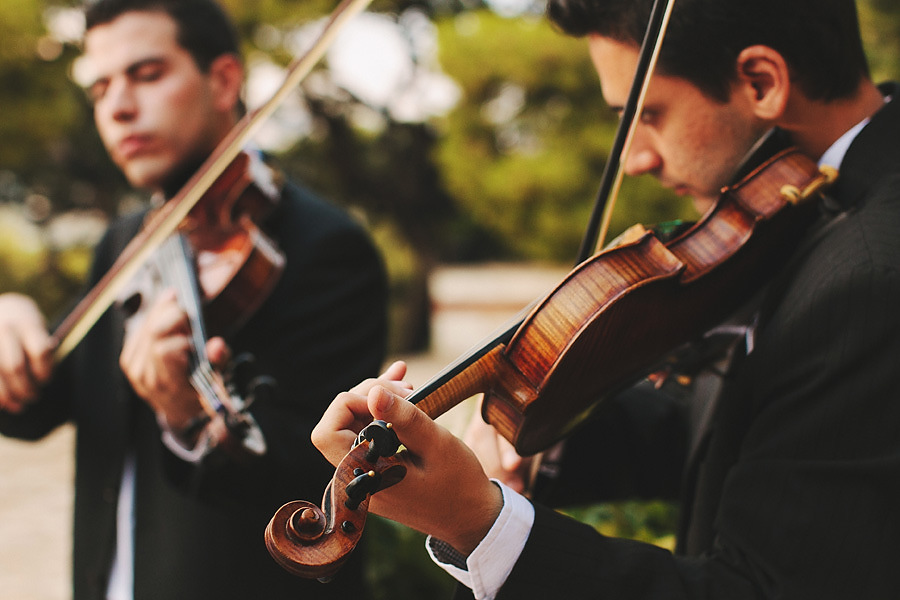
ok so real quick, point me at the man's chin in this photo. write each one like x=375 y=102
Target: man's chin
x=144 y=175
x=702 y=202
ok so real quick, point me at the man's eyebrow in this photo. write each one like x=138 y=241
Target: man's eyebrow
x=138 y=65
x=130 y=70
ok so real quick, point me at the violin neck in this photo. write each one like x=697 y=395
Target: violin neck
x=177 y=270
x=466 y=376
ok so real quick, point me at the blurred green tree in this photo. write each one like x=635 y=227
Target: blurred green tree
x=524 y=151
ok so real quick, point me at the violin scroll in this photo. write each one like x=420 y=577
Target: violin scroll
x=314 y=542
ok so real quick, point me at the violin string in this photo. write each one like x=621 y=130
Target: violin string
x=178 y=272
x=181 y=275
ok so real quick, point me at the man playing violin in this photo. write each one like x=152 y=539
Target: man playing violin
x=156 y=515
x=788 y=475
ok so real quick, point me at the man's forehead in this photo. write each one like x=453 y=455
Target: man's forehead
x=615 y=63
x=130 y=39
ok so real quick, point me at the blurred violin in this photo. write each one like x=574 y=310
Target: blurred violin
x=235 y=264
x=221 y=267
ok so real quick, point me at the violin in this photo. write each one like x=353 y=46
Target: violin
x=235 y=263
x=222 y=267
x=611 y=321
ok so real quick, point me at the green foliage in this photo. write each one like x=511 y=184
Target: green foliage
x=398 y=565
x=38 y=99
x=20 y=26
x=524 y=152
x=29 y=265
x=653 y=522
x=880 y=22
x=253 y=12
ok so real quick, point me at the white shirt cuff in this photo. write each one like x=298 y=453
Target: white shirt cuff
x=494 y=558
x=179 y=448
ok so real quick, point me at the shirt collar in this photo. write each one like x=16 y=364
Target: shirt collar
x=834 y=156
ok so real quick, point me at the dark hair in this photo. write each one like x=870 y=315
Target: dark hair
x=204 y=29
x=819 y=39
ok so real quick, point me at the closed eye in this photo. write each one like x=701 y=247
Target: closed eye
x=147 y=70
x=648 y=115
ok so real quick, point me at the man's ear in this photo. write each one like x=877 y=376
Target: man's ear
x=226 y=76
x=764 y=78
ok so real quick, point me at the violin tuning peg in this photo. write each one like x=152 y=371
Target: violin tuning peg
x=262 y=387
x=241 y=372
x=362 y=485
x=660 y=377
x=382 y=440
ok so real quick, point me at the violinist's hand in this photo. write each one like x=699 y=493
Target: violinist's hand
x=26 y=352
x=497 y=455
x=348 y=413
x=156 y=359
x=445 y=492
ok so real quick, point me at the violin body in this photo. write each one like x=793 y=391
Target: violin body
x=237 y=264
x=233 y=262
x=619 y=314
x=236 y=271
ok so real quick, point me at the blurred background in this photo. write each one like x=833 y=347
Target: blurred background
x=468 y=136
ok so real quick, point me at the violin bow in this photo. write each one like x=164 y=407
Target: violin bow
x=611 y=180
x=87 y=312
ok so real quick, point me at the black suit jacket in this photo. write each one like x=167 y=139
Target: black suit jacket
x=794 y=491
x=199 y=532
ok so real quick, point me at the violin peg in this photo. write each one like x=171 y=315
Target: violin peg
x=241 y=371
x=261 y=388
x=383 y=442
x=362 y=485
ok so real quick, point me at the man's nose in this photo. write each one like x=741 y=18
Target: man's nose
x=119 y=102
x=641 y=161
